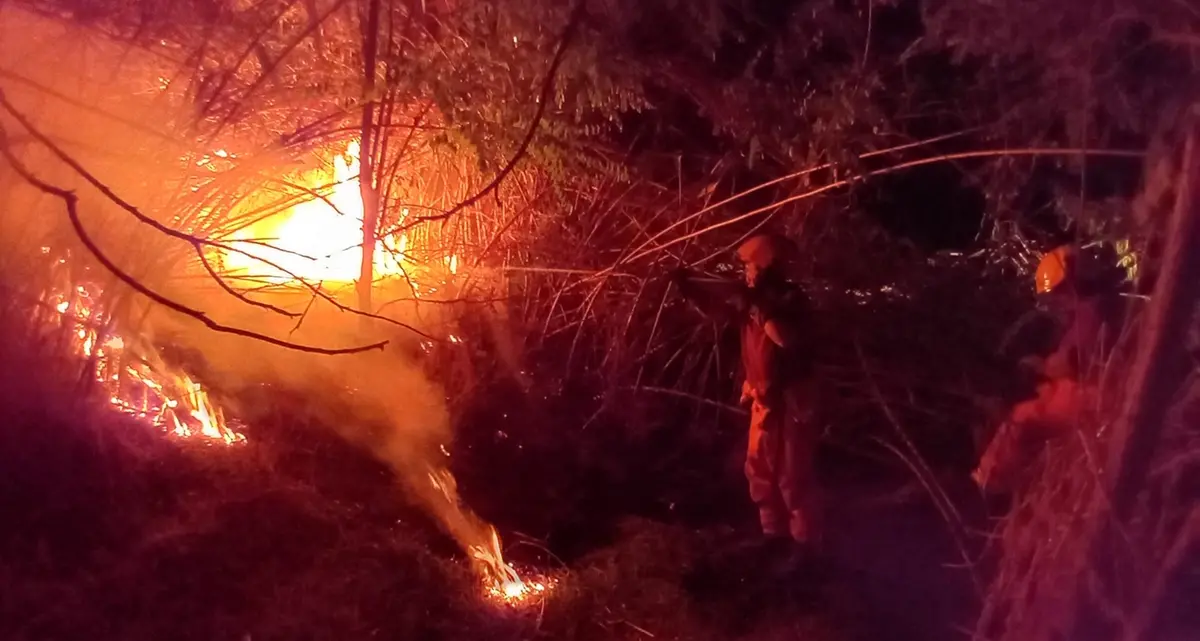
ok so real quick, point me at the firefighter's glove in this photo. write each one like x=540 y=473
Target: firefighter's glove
x=743 y=300
x=747 y=396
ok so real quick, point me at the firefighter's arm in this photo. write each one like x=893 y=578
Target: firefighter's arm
x=715 y=299
x=778 y=332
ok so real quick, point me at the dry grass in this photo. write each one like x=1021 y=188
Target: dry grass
x=1048 y=580
x=114 y=531
x=1064 y=563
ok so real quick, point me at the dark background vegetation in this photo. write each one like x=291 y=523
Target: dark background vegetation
x=610 y=453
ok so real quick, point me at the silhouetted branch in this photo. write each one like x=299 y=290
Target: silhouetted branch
x=194 y=241
x=312 y=28
x=990 y=153
x=79 y=104
x=253 y=46
x=543 y=100
x=70 y=200
x=236 y=294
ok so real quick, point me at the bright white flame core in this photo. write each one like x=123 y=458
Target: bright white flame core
x=319 y=239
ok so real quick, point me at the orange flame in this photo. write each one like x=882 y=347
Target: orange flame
x=318 y=240
x=501 y=581
x=137 y=381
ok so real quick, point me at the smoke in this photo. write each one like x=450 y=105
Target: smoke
x=117 y=112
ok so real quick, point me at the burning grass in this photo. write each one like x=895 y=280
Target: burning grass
x=140 y=385
x=136 y=380
x=113 y=531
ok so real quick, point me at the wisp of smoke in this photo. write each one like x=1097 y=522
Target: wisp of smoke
x=111 y=110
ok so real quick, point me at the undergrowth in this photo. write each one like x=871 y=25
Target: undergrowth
x=115 y=531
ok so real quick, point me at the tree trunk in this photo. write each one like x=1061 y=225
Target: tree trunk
x=366 y=161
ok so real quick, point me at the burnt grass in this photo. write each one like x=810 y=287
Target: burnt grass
x=112 y=531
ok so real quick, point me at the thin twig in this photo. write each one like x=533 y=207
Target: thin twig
x=236 y=294
x=798 y=174
x=922 y=471
x=991 y=153
x=244 y=99
x=691 y=397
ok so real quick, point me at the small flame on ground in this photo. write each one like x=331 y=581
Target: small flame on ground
x=501 y=581
x=519 y=593
x=138 y=383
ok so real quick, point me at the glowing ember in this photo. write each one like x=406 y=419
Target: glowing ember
x=521 y=592
x=137 y=381
x=501 y=581
x=319 y=239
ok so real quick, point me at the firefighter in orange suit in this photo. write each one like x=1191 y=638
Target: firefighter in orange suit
x=779 y=388
x=1086 y=306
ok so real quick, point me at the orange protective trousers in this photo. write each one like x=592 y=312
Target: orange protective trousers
x=779 y=464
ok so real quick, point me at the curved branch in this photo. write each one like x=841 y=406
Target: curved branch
x=543 y=100
x=71 y=201
x=253 y=47
x=235 y=293
x=877 y=172
x=312 y=28
x=194 y=241
x=798 y=174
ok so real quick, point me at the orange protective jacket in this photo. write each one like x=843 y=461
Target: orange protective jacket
x=783 y=434
x=771 y=369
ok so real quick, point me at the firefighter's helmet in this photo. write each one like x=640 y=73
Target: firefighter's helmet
x=1054 y=268
x=764 y=250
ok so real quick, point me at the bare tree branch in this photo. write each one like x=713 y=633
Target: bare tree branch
x=990 y=153
x=194 y=241
x=71 y=201
x=312 y=28
x=136 y=126
x=543 y=100
x=254 y=46
x=236 y=294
